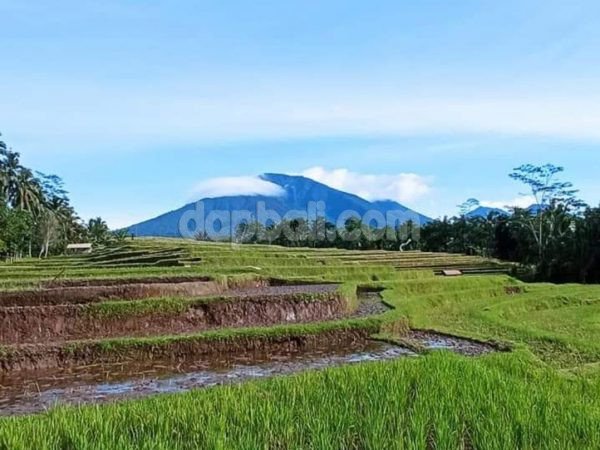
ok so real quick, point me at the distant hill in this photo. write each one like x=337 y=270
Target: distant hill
x=535 y=209
x=484 y=211
x=298 y=193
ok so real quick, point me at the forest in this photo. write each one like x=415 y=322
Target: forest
x=36 y=215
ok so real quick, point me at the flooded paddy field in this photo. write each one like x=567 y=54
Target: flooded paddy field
x=46 y=371
x=36 y=391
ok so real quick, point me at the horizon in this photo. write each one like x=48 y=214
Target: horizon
x=263 y=185
x=426 y=104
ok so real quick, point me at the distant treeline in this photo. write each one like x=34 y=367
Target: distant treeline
x=321 y=233
x=558 y=239
x=570 y=243
x=558 y=236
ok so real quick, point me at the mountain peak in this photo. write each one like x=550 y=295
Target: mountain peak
x=485 y=211
x=302 y=197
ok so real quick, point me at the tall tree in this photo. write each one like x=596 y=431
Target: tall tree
x=553 y=198
x=468 y=206
x=27 y=193
x=43 y=201
x=9 y=171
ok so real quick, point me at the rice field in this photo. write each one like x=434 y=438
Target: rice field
x=543 y=394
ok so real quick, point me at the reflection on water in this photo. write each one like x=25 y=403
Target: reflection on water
x=31 y=392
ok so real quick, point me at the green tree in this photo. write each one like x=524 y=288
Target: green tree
x=554 y=200
x=98 y=231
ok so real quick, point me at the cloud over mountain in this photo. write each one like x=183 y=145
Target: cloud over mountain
x=229 y=186
x=523 y=201
x=402 y=187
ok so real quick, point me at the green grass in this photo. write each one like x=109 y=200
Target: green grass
x=440 y=401
x=543 y=395
x=225 y=260
x=122 y=309
x=120 y=345
x=560 y=324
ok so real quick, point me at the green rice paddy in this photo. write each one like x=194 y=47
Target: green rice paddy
x=545 y=394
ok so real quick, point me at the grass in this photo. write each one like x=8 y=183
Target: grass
x=120 y=345
x=440 y=401
x=122 y=309
x=560 y=324
x=225 y=260
x=543 y=395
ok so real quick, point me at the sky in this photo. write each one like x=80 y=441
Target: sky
x=142 y=107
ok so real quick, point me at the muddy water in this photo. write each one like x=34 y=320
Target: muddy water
x=437 y=341
x=35 y=392
x=282 y=289
x=370 y=303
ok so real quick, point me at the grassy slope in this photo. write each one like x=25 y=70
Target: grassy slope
x=516 y=400
x=561 y=324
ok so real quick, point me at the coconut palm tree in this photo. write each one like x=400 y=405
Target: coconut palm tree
x=27 y=194
x=9 y=170
x=98 y=230
x=18 y=186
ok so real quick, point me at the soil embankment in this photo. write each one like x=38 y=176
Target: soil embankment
x=174 y=349
x=116 y=291
x=58 y=323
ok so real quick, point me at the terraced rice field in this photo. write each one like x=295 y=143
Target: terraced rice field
x=301 y=348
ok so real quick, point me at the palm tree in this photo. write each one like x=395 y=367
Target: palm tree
x=58 y=223
x=42 y=198
x=18 y=185
x=98 y=230
x=9 y=169
x=27 y=195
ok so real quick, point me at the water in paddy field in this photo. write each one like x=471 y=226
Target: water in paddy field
x=36 y=391
x=29 y=392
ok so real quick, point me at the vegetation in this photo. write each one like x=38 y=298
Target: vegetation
x=320 y=233
x=543 y=394
x=557 y=237
x=232 y=335
x=35 y=213
x=169 y=305
x=220 y=260
x=36 y=217
x=440 y=401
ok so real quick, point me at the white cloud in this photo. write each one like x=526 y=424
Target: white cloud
x=522 y=201
x=137 y=117
x=402 y=187
x=244 y=185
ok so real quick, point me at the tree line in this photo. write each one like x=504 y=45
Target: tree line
x=557 y=238
x=36 y=215
x=321 y=233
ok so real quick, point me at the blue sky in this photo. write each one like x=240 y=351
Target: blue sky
x=135 y=103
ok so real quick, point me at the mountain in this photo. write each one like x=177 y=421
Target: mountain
x=484 y=211
x=535 y=209
x=218 y=216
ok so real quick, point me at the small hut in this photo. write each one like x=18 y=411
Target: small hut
x=79 y=248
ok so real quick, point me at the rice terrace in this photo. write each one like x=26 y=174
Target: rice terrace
x=478 y=361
